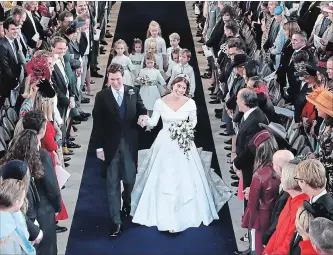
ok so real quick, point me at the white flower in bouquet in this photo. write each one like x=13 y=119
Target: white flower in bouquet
x=183 y=132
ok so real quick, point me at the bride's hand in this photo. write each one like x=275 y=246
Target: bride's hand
x=142 y=121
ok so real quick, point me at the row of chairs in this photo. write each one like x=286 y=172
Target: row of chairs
x=8 y=120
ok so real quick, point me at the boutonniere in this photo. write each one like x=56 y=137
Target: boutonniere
x=131 y=93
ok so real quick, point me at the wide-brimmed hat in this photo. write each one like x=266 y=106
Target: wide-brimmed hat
x=328 y=8
x=279 y=133
x=14 y=169
x=239 y=60
x=322 y=98
x=278 y=10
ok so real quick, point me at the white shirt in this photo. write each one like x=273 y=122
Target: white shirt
x=115 y=94
x=315 y=198
x=11 y=42
x=247 y=114
x=88 y=40
x=29 y=14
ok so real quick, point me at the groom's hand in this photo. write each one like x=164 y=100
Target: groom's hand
x=100 y=155
x=142 y=121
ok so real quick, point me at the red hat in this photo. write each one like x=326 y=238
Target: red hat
x=260 y=137
x=38 y=68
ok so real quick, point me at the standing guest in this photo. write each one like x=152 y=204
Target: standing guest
x=14 y=185
x=264 y=189
x=280 y=240
x=322 y=99
x=280 y=159
x=321 y=235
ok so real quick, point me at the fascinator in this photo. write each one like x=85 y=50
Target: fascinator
x=73 y=26
x=14 y=169
x=45 y=88
x=38 y=69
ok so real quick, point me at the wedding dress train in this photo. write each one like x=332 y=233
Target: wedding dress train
x=171 y=191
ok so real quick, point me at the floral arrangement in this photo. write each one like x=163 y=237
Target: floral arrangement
x=183 y=132
x=145 y=81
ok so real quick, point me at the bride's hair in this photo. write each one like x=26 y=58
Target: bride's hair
x=181 y=79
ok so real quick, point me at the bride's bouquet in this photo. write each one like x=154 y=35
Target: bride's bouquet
x=183 y=132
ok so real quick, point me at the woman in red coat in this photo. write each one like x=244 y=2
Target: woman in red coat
x=49 y=144
x=280 y=240
x=264 y=189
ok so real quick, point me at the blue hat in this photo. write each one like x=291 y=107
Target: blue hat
x=278 y=10
x=14 y=169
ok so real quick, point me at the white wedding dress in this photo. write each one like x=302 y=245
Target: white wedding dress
x=172 y=192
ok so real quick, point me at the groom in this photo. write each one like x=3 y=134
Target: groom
x=115 y=115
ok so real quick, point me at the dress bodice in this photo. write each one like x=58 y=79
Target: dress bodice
x=187 y=111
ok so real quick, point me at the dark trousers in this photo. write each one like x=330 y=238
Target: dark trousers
x=122 y=167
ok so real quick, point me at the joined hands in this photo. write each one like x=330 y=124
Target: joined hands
x=142 y=121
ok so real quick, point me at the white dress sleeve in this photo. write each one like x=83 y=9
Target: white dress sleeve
x=130 y=65
x=152 y=122
x=193 y=113
x=160 y=78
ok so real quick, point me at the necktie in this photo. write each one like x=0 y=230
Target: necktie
x=119 y=98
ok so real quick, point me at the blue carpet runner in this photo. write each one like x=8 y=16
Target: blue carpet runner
x=89 y=230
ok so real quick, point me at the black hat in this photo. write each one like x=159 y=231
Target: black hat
x=303 y=68
x=73 y=26
x=239 y=60
x=45 y=88
x=14 y=169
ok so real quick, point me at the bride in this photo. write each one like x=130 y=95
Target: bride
x=174 y=191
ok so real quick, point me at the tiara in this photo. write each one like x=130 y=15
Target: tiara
x=185 y=76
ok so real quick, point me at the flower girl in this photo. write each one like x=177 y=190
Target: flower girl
x=137 y=56
x=150 y=80
x=152 y=48
x=120 y=52
x=154 y=32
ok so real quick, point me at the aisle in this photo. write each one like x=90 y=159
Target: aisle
x=91 y=221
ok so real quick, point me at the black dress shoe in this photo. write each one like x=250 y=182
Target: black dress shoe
x=201 y=40
x=75 y=129
x=71 y=139
x=96 y=74
x=230 y=162
x=218 y=115
x=234 y=184
x=67 y=159
x=108 y=35
x=223 y=126
x=247 y=252
x=69 y=153
x=102 y=52
x=232 y=172
x=228 y=148
x=206 y=76
x=103 y=42
x=92 y=81
x=115 y=230
x=60 y=229
x=229 y=155
x=66 y=164
x=85 y=114
x=76 y=122
x=215 y=102
x=80 y=118
x=234 y=177
x=218 y=110
x=211 y=89
x=228 y=142
x=224 y=134
x=72 y=145
x=85 y=100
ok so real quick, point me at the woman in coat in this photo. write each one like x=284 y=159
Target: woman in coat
x=264 y=189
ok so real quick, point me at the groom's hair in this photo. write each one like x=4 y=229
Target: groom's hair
x=113 y=68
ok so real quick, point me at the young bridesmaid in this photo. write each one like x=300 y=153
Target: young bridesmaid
x=151 y=82
x=152 y=48
x=137 y=56
x=120 y=52
x=174 y=61
x=154 y=31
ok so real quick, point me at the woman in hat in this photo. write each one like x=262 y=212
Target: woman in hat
x=264 y=189
x=322 y=99
x=14 y=235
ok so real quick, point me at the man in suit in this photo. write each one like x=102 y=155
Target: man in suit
x=19 y=15
x=247 y=102
x=11 y=65
x=114 y=135
x=311 y=177
x=280 y=159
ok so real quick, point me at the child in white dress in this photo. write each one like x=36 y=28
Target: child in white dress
x=184 y=68
x=174 y=42
x=152 y=48
x=154 y=32
x=150 y=80
x=137 y=56
x=120 y=52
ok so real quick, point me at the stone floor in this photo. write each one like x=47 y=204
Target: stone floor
x=70 y=194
